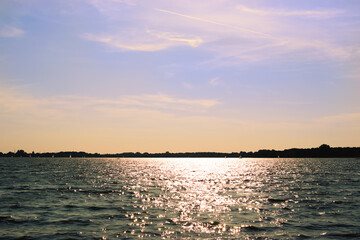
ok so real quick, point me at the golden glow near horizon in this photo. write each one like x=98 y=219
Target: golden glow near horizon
x=117 y=76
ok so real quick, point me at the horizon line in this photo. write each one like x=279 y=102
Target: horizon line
x=178 y=152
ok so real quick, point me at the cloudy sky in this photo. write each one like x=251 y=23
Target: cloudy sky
x=161 y=75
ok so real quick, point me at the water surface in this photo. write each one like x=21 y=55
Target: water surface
x=179 y=198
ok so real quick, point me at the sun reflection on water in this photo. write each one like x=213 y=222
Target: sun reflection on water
x=201 y=191
x=195 y=196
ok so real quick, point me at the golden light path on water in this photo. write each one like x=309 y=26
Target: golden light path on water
x=199 y=194
x=206 y=193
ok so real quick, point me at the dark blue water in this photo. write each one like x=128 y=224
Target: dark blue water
x=179 y=198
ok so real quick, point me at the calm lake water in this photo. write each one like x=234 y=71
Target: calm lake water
x=179 y=198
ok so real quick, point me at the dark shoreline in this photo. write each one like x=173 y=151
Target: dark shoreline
x=324 y=151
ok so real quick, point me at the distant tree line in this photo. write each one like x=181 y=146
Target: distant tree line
x=323 y=151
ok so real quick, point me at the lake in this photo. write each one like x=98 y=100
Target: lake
x=179 y=198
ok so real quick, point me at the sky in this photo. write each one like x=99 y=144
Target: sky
x=113 y=76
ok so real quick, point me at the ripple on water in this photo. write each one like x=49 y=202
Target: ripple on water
x=179 y=198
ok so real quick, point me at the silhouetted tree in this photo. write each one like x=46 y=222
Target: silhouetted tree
x=324 y=147
x=21 y=153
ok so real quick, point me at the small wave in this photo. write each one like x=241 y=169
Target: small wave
x=309 y=201
x=98 y=192
x=64 y=235
x=16 y=206
x=344 y=235
x=252 y=228
x=275 y=200
x=70 y=206
x=213 y=224
x=13 y=220
x=96 y=208
x=76 y=221
x=17 y=238
x=6 y=218
x=170 y=222
x=302 y=236
x=117 y=216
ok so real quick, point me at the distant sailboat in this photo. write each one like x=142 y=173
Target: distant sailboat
x=70 y=156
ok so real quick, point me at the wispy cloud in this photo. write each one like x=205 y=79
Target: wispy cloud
x=147 y=41
x=15 y=100
x=166 y=101
x=344 y=118
x=281 y=12
x=292 y=103
x=110 y=6
x=278 y=48
x=11 y=31
x=232 y=33
x=214 y=81
x=187 y=85
x=215 y=23
x=174 y=37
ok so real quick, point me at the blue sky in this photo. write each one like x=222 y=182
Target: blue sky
x=128 y=75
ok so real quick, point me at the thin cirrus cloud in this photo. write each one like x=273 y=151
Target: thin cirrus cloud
x=147 y=41
x=256 y=35
x=11 y=31
x=215 y=23
x=275 y=12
